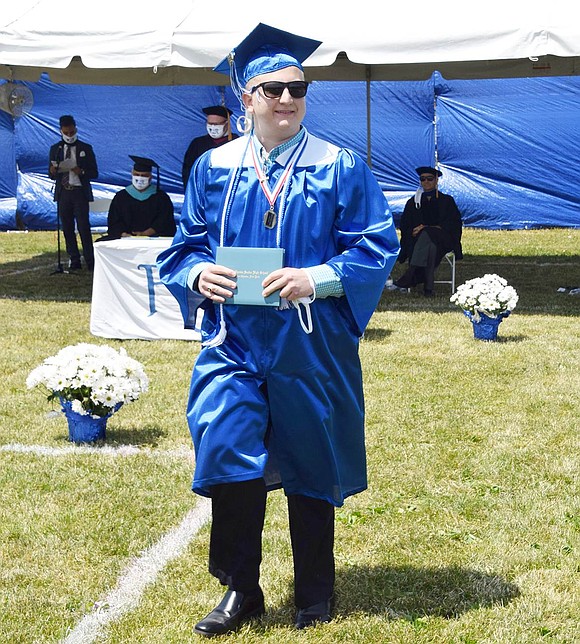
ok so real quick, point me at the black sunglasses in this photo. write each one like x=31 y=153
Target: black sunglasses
x=427 y=178
x=275 y=89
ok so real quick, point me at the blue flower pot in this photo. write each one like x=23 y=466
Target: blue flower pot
x=84 y=429
x=486 y=328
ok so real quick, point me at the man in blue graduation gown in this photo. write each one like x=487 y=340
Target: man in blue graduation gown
x=276 y=396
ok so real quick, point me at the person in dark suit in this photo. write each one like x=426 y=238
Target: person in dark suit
x=219 y=131
x=73 y=165
x=430 y=228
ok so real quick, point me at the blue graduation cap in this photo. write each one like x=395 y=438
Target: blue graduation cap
x=266 y=49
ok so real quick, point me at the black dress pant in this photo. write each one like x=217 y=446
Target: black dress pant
x=73 y=206
x=430 y=246
x=312 y=535
x=235 y=554
x=424 y=259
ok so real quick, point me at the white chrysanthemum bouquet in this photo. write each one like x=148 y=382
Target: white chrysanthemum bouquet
x=488 y=295
x=95 y=380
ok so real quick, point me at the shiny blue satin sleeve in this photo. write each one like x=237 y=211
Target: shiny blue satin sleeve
x=365 y=234
x=189 y=248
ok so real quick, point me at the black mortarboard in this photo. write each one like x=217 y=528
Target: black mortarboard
x=266 y=49
x=143 y=164
x=217 y=110
x=65 y=120
x=425 y=169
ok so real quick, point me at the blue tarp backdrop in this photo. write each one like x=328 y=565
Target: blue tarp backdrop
x=508 y=148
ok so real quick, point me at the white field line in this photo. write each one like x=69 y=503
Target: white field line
x=144 y=569
x=141 y=573
x=106 y=450
x=27 y=270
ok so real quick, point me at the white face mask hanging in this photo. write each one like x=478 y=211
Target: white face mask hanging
x=70 y=139
x=140 y=183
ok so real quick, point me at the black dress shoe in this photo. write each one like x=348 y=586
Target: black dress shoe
x=404 y=282
x=234 y=608
x=320 y=613
x=407 y=279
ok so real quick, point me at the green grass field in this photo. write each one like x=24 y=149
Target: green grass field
x=469 y=531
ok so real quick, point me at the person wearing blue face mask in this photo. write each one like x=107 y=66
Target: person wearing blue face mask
x=141 y=209
x=219 y=131
x=72 y=164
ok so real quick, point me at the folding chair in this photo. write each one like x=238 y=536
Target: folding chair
x=450 y=258
x=98 y=207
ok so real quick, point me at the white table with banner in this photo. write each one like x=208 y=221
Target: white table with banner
x=129 y=301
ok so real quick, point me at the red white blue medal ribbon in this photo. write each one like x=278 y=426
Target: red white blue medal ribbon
x=270 y=216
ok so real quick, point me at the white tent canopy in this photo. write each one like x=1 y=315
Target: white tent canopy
x=179 y=41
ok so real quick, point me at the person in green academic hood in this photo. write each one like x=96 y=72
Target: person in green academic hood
x=141 y=209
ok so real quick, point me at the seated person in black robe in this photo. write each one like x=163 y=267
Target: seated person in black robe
x=430 y=227
x=141 y=209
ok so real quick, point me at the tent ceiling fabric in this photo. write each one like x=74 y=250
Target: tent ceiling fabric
x=112 y=42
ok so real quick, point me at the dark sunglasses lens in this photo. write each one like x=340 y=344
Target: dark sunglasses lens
x=273 y=90
x=427 y=178
x=297 y=89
